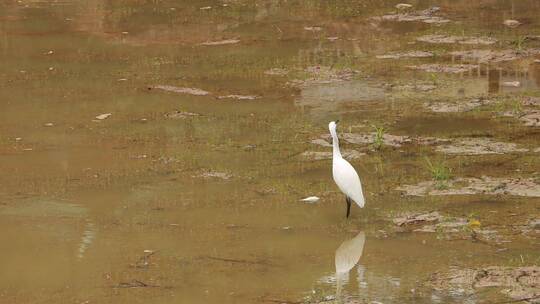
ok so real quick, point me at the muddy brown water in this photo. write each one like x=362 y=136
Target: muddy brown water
x=203 y=207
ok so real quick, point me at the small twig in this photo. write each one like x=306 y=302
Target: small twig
x=518 y=300
x=143 y=261
x=238 y=261
x=281 y=301
x=134 y=284
x=294 y=154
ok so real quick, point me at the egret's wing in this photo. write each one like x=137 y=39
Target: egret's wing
x=348 y=181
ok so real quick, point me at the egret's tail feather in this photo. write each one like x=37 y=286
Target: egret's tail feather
x=360 y=202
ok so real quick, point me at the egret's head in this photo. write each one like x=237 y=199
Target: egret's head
x=332 y=126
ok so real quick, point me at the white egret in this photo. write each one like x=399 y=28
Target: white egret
x=344 y=174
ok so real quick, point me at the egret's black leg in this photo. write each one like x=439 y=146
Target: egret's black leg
x=348 y=199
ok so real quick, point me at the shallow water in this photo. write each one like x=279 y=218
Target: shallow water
x=146 y=206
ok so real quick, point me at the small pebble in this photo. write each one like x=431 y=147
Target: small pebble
x=511 y=23
x=403 y=6
x=513 y=84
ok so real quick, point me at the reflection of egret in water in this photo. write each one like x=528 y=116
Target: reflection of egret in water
x=35 y=210
x=87 y=238
x=347 y=256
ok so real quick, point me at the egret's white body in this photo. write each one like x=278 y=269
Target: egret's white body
x=344 y=174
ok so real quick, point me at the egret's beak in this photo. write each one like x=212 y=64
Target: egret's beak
x=337 y=121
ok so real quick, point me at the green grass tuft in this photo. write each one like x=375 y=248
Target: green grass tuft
x=439 y=172
x=379 y=137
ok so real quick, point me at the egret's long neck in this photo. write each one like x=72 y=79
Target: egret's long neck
x=335 y=144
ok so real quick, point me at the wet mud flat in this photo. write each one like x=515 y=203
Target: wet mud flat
x=178 y=152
